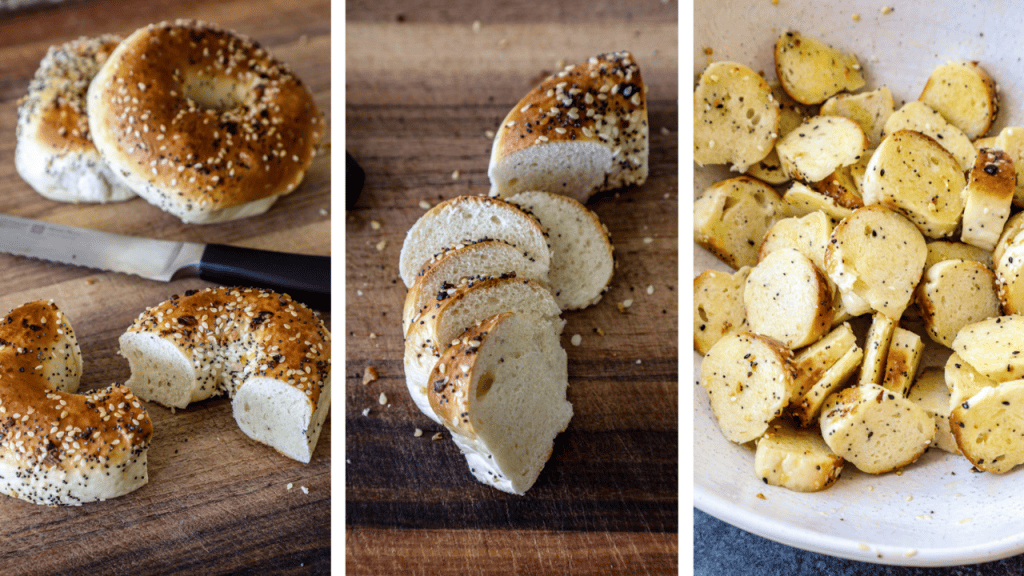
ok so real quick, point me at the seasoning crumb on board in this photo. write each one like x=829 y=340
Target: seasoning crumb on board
x=424 y=205
x=382 y=245
x=383 y=399
x=375 y=224
x=370 y=375
x=418 y=433
x=576 y=339
x=436 y=436
x=304 y=489
x=455 y=175
x=366 y=411
x=288 y=486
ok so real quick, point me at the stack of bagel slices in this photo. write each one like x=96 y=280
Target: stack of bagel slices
x=488 y=277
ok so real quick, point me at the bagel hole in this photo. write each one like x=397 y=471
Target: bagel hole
x=214 y=94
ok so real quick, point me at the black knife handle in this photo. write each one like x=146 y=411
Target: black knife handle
x=305 y=278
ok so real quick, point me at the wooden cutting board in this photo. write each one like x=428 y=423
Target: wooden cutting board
x=425 y=82
x=216 y=502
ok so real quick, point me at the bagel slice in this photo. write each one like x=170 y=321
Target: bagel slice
x=501 y=391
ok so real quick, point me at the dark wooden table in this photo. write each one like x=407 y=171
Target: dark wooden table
x=216 y=502
x=425 y=83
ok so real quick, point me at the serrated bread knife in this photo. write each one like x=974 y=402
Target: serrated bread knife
x=306 y=278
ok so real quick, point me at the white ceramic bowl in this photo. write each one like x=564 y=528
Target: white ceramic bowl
x=937 y=512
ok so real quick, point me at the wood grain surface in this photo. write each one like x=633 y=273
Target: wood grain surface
x=425 y=82
x=216 y=501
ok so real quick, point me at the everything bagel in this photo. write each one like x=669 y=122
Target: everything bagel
x=55 y=153
x=202 y=122
x=58 y=447
x=268 y=353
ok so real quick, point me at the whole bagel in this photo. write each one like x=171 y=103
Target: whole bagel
x=269 y=354
x=202 y=122
x=55 y=153
x=58 y=447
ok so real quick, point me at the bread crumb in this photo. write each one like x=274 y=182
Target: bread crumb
x=90 y=281
x=639 y=361
x=304 y=489
x=910 y=553
x=383 y=399
x=887 y=10
x=761 y=496
x=708 y=51
x=599 y=331
x=373 y=335
x=370 y=375
x=648 y=240
x=455 y=175
x=323 y=212
x=576 y=339
x=622 y=309
x=424 y=204
x=289 y=486
x=856 y=17
x=476 y=26
x=909 y=498
x=436 y=436
x=366 y=411
x=418 y=433
x=627 y=302
x=650 y=289
x=489 y=133
x=375 y=224
x=382 y=245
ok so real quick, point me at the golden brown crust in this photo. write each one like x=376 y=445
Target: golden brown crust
x=255 y=143
x=993 y=174
x=602 y=100
x=43 y=427
x=283 y=339
x=57 y=92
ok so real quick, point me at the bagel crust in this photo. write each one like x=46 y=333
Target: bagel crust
x=268 y=353
x=58 y=447
x=202 y=122
x=55 y=153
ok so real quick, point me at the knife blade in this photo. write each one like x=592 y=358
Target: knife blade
x=304 y=277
